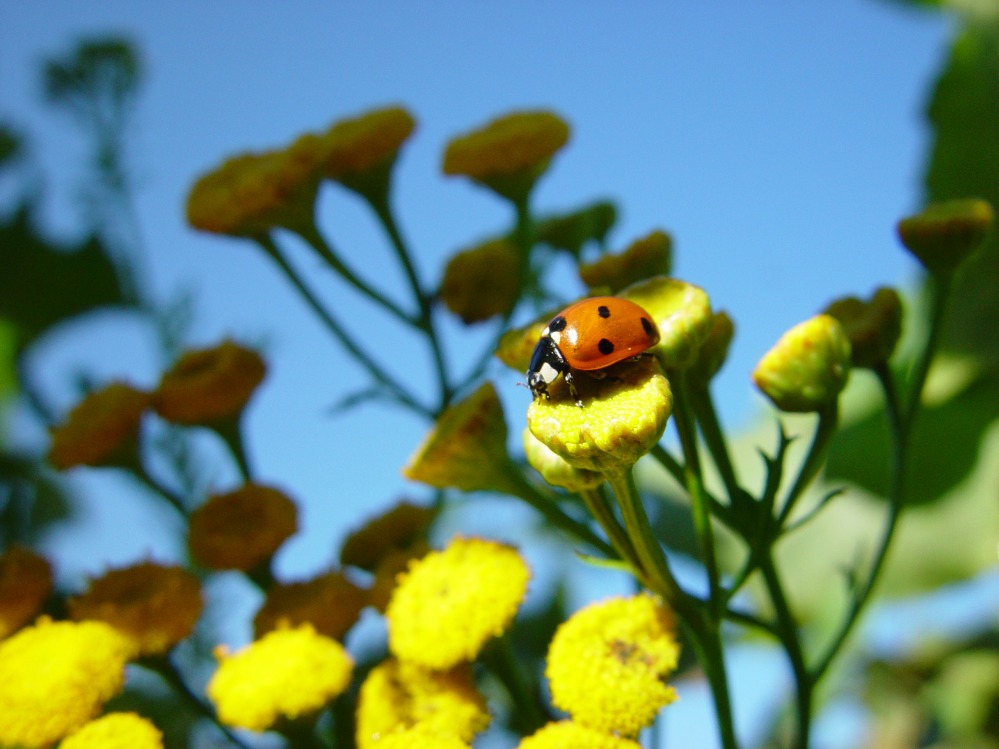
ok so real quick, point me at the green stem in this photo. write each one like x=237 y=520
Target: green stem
x=707 y=420
x=231 y=433
x=596 y=502
x=900 y=423
x=813 y=462
x=786 y=631
x=520 y=487
x=707 y=644
x=501 y=661
x=338 y=332
x=318 y=242
x=164 y=667
x=425 y=322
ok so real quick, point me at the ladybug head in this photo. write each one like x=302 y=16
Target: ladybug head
x=547 y=363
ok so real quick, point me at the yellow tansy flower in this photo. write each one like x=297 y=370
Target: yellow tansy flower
x=56 y=676
x=241 y=529
x=646 y=257
x=116 y=731
x=253 y=193
x=482 y=282
x=330 y=602
x=624 y=416
x=209 y=385
x=286 y=673
x=152 y=605
x=807 y=368
x=451 y=602
x=397 y=696
x=360 y=151
x=568 y=735
x=398 y=528
x=419 y=738
x=387 y=573
x=466 y=449
x=100 y=429
x=607 y=663
x=25 y=583
x=509 y=153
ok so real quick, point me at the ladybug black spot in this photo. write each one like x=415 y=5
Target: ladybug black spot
x=606 y=347
x=557 y=325
x=648 y=327
x=603 y=311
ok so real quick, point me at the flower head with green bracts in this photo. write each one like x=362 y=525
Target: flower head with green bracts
x=567 y=733
x=359 y=152
x=644 y=258
x=943 y=234
x=681 y=311
x=466 y=449
x=623 y=417
x=713 y=352
x=253 y=193
x=102 y=429
x=398 y=696
x=153 y=606
x=508 y=154
x=209 y=385
x=482 y=282
x=450 y=603
x=55 y=677
x=288 y=673
x=607 y=664
x=555 y=470
x=807 y=368
x=241 y=529
x=116 y=731
x=25 y=583
x=873 y=326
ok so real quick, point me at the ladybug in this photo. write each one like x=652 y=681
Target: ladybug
x=589 y=336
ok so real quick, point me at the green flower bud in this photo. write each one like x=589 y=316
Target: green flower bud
x=943 y=234
x=482 y=282
x=570 y=231
x=873 y=327
x=807 y=368
x=624 y=417
x=712 y=354
x=644 y=258
x=555 y=470
x=681 y=311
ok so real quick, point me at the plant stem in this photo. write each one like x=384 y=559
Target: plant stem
x=707 y=421
x=596 y=503
x=813 y=462
x=334 y=327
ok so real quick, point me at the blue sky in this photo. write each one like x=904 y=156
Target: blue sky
x=777 y=141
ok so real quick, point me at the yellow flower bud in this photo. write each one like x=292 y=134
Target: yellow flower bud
x=510 y=153
x=101 y=429
x=873 y=327
x=555 y=470
x=645 y=257
x=153 y=606
x=517 y=345
x=209 y=385
x=711 y=356
x=482 y=281
x=681 y=311
x=241 y=529
x=466 y=449
x=624 y=416
x=400 y=527
x=943 y=234
x=566 y=733
x=807 y=368
x=25 y=583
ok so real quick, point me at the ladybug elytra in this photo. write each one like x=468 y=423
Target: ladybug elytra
x=588 y=336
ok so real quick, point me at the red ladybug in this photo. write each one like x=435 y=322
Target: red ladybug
x=589 y=336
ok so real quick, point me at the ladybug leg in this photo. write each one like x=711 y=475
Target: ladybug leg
x=571 y=382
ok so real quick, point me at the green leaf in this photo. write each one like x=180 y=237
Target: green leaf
x=964 y=162
x=44 y=284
